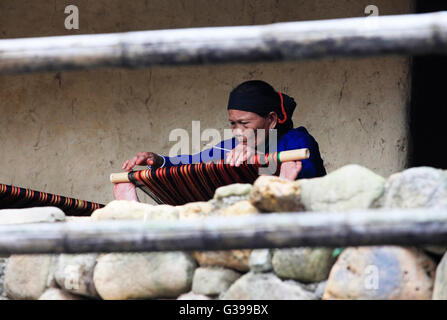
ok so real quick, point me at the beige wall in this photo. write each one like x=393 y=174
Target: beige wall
x=66 y=132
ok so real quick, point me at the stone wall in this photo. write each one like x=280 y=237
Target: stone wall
x=304 y=273
x=65 y=132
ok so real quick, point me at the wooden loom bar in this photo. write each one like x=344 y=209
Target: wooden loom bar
x=350 y=37
x=278 y=230
x=119 y=177
x=289 y=155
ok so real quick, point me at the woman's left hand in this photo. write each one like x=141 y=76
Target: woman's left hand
x=290 y=170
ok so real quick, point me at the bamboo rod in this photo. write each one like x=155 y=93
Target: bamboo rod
x=119 y=177
x=289 y=155
x=293 y=155
x=374 y=227
x=350 y=37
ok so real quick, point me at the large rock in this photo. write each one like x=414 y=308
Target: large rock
x=421 y=187
x=347 y=188
x=74 y=273
x=384 y=273
x=31 y=215
x=273 y=194
x=213 y=281
x=120 y=276
x=236 y=189
x=266 y=286
x=28 y=276
x=228 y=195
x=58 y=294
x=440 y=289
x=260 y=260
x=123 y=209
x=303 y=264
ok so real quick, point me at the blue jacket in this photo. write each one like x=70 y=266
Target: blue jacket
x=297 y=138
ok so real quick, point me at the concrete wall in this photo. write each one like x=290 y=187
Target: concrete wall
x=66 y=132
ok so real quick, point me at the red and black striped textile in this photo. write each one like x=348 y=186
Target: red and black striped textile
x=181 y=184
x=15 y=197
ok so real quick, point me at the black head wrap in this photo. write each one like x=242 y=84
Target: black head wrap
x=259 y=97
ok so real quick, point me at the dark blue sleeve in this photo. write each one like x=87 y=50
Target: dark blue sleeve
x=215 y=153
x=312 y=167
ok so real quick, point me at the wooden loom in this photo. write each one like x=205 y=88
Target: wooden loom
x=197 y=182
x=16 y=197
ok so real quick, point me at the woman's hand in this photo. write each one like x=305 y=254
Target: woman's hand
x=142 y=159
x=125 y=191
x=290 y=170
x=239 y=154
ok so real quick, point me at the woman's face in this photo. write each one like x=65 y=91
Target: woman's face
x=244 y=124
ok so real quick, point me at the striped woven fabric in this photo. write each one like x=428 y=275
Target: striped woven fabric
x=181 y=184
x=15 y=197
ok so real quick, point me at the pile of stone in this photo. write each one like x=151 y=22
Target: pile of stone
x=377 y=272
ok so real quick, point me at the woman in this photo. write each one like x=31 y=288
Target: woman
x=252 y=106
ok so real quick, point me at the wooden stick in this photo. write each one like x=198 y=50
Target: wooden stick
x=293 y=155
x=364 y=36
x=119 y=177
x=406 y=227
x=289 y=155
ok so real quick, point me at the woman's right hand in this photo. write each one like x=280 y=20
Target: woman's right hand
x=125 y=191
x=143 y=159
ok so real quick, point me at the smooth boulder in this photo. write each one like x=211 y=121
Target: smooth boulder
x=347 y=188
x=235 y=189
x=31 y=215
x=420 y=187
x=120 y=276
x=74 y=273
x=303 y=264
x=213 y=281
x=28 y=276
x=274 y=194
x=266 y=286
x=381 y=273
